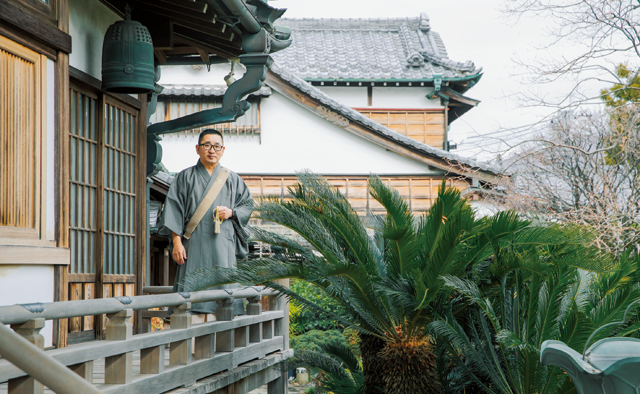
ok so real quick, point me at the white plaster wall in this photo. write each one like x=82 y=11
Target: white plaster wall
x=294 y=139
x=186 y=75
x=382 y=97
x=88 y=23
x=403 y=97
x=24 y=284
x=353 y=96
x=51 y=143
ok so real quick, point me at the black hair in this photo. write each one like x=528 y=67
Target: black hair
x=206 y=132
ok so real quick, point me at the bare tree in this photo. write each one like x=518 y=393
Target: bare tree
x=585 y=169
x=589 y=39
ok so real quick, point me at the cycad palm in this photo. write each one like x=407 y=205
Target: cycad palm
x=387 y=282
x=539 y=293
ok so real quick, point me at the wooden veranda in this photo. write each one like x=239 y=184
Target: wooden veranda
x=234 y=354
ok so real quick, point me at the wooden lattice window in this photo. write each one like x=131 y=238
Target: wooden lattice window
x=119 y=189
x=173 y=107
x=424 y=125
x=22 y=142
x=419 y=191
x=103 y=157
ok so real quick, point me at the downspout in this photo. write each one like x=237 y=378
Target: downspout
x=247 y=19
x=437 y=92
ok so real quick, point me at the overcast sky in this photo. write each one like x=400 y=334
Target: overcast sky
x=473 y=30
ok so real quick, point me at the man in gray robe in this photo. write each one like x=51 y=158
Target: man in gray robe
x=206 y=249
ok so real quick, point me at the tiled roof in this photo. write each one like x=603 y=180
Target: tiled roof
x=206 y=90
x=353 y=115
x=369 y=50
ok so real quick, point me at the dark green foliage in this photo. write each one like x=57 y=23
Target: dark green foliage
x=314 y=339
x=307 y=319
x=341 y=371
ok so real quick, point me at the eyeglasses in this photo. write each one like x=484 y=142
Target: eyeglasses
x=207 y=146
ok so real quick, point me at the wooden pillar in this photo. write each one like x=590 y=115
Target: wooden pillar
x=29 y=330
x=278 y=386
x=205 y=346
x=281 y=326
x=119 y=368
x=152 y=360
x=225 y=340
x=180 y=351
x=63 y=112
x=85 y=370
x=142 y=237
x=255 y=308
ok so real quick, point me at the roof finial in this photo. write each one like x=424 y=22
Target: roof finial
x=425 y=24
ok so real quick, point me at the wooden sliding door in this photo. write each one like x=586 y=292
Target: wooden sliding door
x=103 y=197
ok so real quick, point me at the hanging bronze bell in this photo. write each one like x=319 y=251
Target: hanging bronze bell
x=127 y=57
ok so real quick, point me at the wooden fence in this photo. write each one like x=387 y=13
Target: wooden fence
x=234 y=354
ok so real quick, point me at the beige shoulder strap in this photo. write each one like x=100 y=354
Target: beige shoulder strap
x=206 y=202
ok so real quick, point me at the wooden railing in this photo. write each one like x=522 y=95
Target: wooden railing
x=248 y=347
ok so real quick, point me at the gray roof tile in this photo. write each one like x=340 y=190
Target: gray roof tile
x=368 y=50
x=206 y=90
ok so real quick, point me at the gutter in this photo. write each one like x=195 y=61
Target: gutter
x=247 y=19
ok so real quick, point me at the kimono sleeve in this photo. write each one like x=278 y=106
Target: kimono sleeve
x=242 y=209
x=175 y=206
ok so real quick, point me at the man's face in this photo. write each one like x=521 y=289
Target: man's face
x=211 y=156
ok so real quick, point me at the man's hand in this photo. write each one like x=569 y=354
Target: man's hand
x=224 y=213
x=179 y=253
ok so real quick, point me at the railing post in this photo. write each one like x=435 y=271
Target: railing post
x=29 y=330
x=119 y=368
x=180 y=351
x=225 y=339
x=281 y=326
x=84 y=369
x=255 y=308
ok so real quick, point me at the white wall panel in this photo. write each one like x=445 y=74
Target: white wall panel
x=294 y=139
x=88 y=23
x=27 y=284
x=403 y=97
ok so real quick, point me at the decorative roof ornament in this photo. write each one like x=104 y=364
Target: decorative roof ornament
x=414 y=58
x=425 y=23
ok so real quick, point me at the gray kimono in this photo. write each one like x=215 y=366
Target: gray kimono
x=205 y=249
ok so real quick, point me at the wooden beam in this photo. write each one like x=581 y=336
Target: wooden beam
x=182 y=50
x=306 y=101
x=30 y=23
x=160 y=28
x=206 y=27
x=172 y=9
x=203 y=55
x=217 y=48
x=198 y=6
x=160 y=55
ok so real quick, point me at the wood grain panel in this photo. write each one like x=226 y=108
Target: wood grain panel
x=21 y=104
x=419 y=191
x=425 y=126
x=75 y=294
x=118 y=289
x=89 y=294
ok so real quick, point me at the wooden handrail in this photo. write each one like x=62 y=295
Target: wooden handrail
x=157 y=289
x=21 y=313
x=38 y=364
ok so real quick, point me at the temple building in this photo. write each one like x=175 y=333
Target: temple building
x=348 y=98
